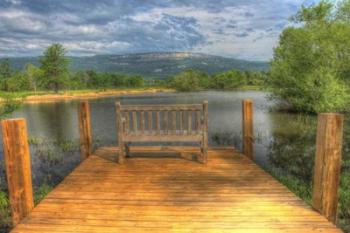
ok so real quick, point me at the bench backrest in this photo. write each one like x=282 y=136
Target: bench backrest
x=184 y=119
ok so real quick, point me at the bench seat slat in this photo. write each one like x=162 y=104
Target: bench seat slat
x=161 y=138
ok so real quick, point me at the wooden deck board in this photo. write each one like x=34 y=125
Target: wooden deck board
x=167 y=194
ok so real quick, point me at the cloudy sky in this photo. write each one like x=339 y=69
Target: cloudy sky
x=246 y=29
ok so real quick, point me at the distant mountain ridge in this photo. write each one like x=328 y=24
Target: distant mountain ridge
x=153 y=65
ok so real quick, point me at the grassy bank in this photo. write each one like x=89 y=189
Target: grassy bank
x=47 y=96
x=42 y=96
x=5 y=212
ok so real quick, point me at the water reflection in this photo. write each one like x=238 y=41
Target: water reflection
x=292 y=147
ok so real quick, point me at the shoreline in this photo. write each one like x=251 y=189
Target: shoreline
x=93 y=94
x=71 y=95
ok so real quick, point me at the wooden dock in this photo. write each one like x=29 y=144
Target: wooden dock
x=173 y=189
x=153 y=192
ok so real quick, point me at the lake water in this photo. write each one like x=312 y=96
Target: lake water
x=282 y=141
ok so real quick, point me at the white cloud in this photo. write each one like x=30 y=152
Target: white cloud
x=242 y=29
x=235 y=31
x=14 y=2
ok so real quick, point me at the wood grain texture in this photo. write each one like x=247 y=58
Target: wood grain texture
x=327 y=164
x=85 y=130
x=168 y=107
x=18 y=168
x=157 y=122
x=120 y=133
x=189 y=122
x=247 y=124
x=205 y=124
x=134 y=121
x=158 y=193
x=150 y=121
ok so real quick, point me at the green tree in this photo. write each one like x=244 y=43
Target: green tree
x=32 y=73
x=79 y=80
x=5 y=69
x=255 y=77
x=188 y=80
x=310 y=67
x=118 y=80
x=343 y=13
x=5 y=74
x=135 y=81
x=54 y=65
x=228 y=80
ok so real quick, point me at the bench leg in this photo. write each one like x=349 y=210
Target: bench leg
x=204 y=152
x=121 y=155
x=127 y=149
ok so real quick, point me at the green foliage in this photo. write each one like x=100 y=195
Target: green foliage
x=5 y=69
x=135 y=81
x=32 y=75
x=188 y=80
x=343 y=13
x=310 y=69
x=8 y=105
x=54 y=65
x=93 y=79
x=228 y=80
x=5 y=74
x=256 y=78
x=41 y=192
x=194 y=80
x=5 y=211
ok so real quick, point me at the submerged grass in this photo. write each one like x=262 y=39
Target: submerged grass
x=52 y=160
x=5 y=211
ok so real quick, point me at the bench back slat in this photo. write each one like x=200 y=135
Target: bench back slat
x=157 y=122
x=134 y=121
x=189 y=123
x=150 y=121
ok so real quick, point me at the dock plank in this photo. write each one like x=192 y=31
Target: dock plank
x=171 y=194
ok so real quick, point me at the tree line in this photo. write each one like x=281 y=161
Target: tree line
x=191 y=80
x=53 y=74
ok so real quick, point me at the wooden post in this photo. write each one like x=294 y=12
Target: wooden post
x=327 y=164
x=18 y=169
x=85 y=130
x=248 y=138
x=205 y=132
x=119 y=123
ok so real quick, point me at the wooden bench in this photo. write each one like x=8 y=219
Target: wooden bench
x=162 y=123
